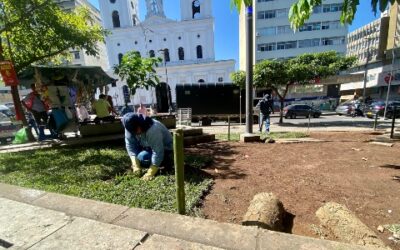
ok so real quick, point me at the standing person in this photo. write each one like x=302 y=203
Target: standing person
x=102 y=109
x=265 y=106
x=142 y=110
x=149 y=144
x=34 y=104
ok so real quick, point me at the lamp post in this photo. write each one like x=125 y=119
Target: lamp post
x=249 y=69
x=164 y=51
x=391 y=74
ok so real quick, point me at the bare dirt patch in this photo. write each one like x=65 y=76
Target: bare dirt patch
x=304 y=177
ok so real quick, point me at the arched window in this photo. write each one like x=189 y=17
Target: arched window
x=120 y=55
x=202 y=81
x=134 y=20
x=196 y=9
x=112 y=1
x=115 y=19
x=151 y=53
x=199 y=51
x=166 y=55
x=181 y=54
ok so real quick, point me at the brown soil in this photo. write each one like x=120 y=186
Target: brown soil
x=304 y=177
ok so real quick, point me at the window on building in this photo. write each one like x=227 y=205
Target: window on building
x=310 y=27
x=120 y=55
x=261 y=1
x=77 y=55
x=196 y=9
x=112 y=1
x=330 y=25
x=166 y=55
x=282 y=13
x=181 y=54
x=317 y=9
x=115 y=19
x=220 y=79
x=268 y=31
x=201 y=81
x=286 y=45
x=309 y=43
x=268 y=14
x=152 y=54
x=134 y=20
x=333 y=41
x=266 y=47
x=284 y=29
x=133 y=6
x=335 y=7
x=199 y=52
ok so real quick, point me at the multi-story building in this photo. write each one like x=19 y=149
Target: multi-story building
x=79 y=57
x=373 y=45
x=187 y=46
x=274 y=39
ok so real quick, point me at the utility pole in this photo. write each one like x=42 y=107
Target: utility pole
x=366 y=70
x=249 y=69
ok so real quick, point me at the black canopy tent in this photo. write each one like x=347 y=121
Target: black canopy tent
x=70 y=75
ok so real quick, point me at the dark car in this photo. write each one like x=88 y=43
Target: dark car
x=379 y=108
x=293 y=111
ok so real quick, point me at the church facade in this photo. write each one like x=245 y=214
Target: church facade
x=187 y=46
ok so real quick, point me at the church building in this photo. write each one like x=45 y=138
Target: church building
x=187 y=46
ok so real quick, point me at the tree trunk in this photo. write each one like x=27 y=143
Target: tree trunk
x=281 y=111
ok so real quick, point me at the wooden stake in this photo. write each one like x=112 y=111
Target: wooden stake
x=179 y=170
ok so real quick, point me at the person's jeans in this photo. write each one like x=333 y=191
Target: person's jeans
x=144 y=158
x=267 y=120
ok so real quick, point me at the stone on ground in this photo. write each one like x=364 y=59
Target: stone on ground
x=265 y=211
x=346 y=227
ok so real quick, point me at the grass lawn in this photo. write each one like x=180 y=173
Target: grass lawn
x=273 y=135
x=99 y=173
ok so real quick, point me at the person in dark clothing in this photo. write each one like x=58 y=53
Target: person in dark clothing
x=266 y=107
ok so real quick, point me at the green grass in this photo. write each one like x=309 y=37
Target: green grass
x=273 y=135
x=100 y=173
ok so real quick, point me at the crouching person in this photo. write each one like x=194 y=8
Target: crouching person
x=149 y=144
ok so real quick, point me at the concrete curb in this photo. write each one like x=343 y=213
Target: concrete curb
x=207 y=232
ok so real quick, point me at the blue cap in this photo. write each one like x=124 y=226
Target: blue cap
x=131 y=121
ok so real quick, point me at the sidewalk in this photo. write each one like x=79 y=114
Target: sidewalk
x=32 y=219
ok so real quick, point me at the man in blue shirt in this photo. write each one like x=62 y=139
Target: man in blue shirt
x=149 y=144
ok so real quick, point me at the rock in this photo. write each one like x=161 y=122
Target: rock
x=380 y=229
x=346 y=227
x=270 y=140
x=265 y=211
x=396 y=236
x=356 y=149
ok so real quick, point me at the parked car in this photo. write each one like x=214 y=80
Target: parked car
x=293 y=111
x=352 y=107
x=378 y=107
x=6 y=111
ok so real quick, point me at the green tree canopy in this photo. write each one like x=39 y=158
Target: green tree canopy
x=38 y=30
x=279 y=75
x=302 y=10
x=239 y=79
x=139 y=72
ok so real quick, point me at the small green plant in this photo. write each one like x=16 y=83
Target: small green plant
x=198 y=161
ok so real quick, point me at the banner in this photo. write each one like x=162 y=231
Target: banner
x=8 y=73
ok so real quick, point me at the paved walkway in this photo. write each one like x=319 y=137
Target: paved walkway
x=32 y=219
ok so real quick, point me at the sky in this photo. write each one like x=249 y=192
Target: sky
x=226 y=23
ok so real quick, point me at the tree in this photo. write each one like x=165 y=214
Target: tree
x=279 y=75
x=302 y=10
x=35 y=30
x=239 y=79
x=139 y=72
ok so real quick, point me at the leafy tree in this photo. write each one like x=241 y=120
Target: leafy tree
x=239 y=79
x=302 y=10
x=139 y=72
x=34 y=31
x=304 y=69
x=238 y=3
x=38 y=30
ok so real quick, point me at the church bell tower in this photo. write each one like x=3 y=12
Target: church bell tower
x=155 y=8
x=119 y=13
x=195 y=9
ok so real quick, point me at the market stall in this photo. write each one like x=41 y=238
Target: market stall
x=67 y=91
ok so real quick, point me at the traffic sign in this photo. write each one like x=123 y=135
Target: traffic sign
x=8 y=73
x=388 y=78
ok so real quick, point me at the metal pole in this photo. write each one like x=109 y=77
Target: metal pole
x=376 y=121
x=309 y=120
x=229 y=128
x=249 y=69
x=393 y=122
x=391 y=75
x=240 y=109
x=179 y=170
x=166 y=81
